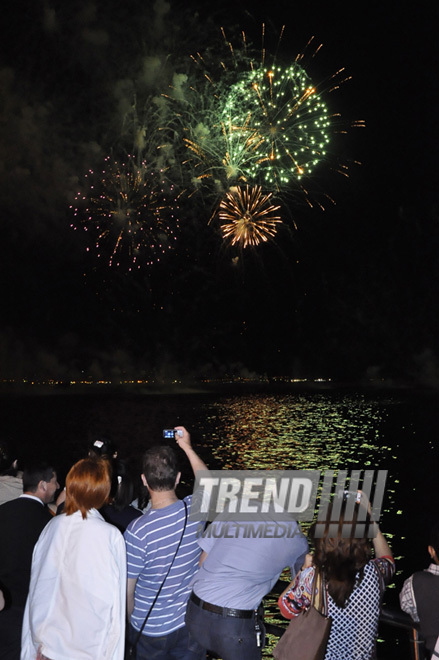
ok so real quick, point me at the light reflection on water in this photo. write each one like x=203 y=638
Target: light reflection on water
x=296 y=432
x=312 y=432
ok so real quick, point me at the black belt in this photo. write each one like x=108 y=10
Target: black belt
x=224 y=611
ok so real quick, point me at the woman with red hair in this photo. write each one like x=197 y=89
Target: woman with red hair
x=76 y=603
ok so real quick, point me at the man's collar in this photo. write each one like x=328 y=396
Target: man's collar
x=32 y=497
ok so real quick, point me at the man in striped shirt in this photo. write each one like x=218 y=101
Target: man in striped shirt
x=152 y=543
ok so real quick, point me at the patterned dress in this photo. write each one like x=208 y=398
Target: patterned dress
x=354 y=627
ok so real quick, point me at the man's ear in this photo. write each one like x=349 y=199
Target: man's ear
x=177 y=479
x=144 y=482
x=432 y=553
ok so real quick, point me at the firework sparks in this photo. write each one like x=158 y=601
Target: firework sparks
x=289 y=115
x=254 y=121
x=226 y=152
x=129 y=210
x=249 y=216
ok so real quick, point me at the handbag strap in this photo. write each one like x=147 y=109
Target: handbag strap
x=314 y=586
x=319 y=577
x=165 y=578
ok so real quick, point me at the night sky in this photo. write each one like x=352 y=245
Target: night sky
x=345 y=293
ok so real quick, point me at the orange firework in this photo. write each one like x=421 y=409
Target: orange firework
x=249 y=216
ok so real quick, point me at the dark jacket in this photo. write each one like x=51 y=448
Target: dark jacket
x=21 y=523
x=426 y=590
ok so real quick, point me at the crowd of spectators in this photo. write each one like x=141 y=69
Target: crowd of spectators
x=116 y=562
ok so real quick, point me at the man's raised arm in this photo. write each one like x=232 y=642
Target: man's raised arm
x=184 y=442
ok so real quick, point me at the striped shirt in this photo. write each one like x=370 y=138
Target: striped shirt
x=151 y=542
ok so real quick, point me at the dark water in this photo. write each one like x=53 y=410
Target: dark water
x=309 y=430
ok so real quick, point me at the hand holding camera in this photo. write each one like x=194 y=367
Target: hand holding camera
x=180 y=435
x=348 y=494
x=171 y=434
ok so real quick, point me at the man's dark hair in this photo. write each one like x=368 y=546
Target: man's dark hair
x=102 y=447
x=35 y=472
x=434 y=538
x=124 y=492
x=160 y=467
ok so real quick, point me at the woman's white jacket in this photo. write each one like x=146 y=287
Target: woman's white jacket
x=76 y=604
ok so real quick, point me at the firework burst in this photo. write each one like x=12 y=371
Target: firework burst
x=249 y=217
x=129 y=210
x=292 y=121
x=251 y=123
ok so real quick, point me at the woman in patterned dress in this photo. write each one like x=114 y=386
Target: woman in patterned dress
x=353 y=581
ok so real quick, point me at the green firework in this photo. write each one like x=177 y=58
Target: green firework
x=283 y=108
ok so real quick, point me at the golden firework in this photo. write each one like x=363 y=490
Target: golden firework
x=249 y=216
